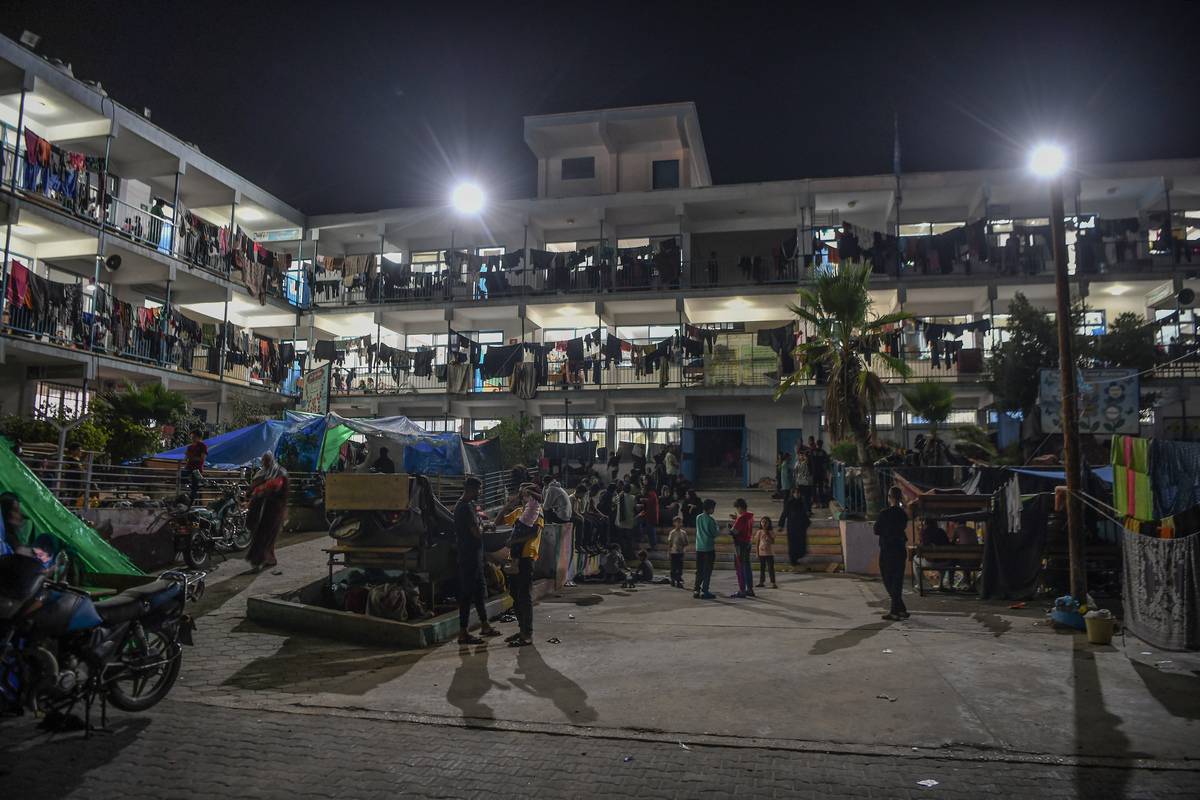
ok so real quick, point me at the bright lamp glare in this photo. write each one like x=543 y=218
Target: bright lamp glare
x=1047 y=160
x=467 y=198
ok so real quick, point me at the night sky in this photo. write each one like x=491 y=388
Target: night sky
x=352 y=106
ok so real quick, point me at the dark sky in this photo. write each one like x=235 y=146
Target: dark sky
x=353 y=106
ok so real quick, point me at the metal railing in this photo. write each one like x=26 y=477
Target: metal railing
x=846 y=486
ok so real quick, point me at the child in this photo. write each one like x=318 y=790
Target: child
x=676 y=545
x=706 y=555
x=613 y=564
x=764 y=544
x=642 y=571
x=742 y=531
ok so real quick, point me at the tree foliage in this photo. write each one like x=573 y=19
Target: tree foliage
x=132 y=414
x=1014 y=369
x=519 y=442
x=843 y=349
x=1127 y=343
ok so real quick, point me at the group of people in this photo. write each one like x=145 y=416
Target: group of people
x=806 y=470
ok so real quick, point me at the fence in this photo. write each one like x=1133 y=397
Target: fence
x=846 y=486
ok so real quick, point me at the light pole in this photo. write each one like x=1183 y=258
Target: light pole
x=1048 y=161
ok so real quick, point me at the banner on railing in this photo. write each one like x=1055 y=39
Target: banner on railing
x=314 y=396
x=1108 y=401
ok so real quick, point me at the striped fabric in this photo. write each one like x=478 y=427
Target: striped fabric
x=1132 y=495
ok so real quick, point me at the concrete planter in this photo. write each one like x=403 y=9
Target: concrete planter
x=298 y=611
x=860 y=547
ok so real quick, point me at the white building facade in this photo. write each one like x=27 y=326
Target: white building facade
x=224 y=291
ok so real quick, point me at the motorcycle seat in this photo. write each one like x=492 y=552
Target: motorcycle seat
x=133 y=603
x=121 y=608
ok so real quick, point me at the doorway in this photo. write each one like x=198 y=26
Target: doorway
x=720 y=450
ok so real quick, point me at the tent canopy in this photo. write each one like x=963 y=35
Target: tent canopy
x=51 y=517
x=312 y=442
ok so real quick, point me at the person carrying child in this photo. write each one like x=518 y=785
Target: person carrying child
x=524 y=513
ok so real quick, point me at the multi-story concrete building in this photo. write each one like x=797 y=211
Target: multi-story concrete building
x=628 y=240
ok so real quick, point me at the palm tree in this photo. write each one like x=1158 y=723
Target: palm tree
x=842 y=347
x=933 y=403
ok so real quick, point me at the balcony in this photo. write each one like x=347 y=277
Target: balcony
x=74 y=189
x=65 y=319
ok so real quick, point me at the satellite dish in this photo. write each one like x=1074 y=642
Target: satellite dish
x=1185 y=297
x=112 y=263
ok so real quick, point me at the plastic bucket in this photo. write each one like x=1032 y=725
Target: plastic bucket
x=1100 y=630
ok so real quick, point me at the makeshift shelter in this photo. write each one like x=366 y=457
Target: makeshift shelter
x=48 y=516
x=244 y=446
x=1157 y=494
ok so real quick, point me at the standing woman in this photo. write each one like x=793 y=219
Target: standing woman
x=891 y=528
x=786 y=476
x=795 y=520
x=268 y=509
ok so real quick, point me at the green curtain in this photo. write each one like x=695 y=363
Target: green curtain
x=335 y=437
x=52 y=517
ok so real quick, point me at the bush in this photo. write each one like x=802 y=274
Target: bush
x=845 y=451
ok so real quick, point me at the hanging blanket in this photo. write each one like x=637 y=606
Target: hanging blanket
x=1162 y=590
x=1132 y=496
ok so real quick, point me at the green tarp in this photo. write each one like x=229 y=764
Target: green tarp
x=51 y=517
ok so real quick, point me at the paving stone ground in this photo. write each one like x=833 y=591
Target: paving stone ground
x=777 y=699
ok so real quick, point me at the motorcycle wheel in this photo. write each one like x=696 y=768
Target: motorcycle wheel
x=143 y=689
x=196 y=552
x=236 y=531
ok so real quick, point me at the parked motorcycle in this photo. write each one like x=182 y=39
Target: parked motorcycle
x=219 y=527
x=58 y=648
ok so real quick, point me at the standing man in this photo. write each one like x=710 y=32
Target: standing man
x=472 y=585
x=626 y=518
x=193 y=464
x=891 y=529
x=706 y=550
x=820 y=473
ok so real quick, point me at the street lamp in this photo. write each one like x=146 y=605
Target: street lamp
x=468 y=199
x=1048 y=161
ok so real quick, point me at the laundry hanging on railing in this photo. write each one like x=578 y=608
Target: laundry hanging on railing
x=61 y=174
x=939 y=330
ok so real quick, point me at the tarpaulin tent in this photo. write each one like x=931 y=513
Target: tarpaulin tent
x=50 y=517
x=296 y=439
x=309 y=442
x=424 y=453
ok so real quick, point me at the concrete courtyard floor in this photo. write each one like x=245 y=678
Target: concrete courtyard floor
x=804 y=664
x=809 y=668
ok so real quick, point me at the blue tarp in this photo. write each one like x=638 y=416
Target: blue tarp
x=245 y=445
x=1103 y=473
x=297 y=439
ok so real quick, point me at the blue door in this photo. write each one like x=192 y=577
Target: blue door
x=687 y=450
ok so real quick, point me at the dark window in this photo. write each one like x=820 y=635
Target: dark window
x=574 y=169
x=666 y=174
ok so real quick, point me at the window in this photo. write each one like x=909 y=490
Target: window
x=59 y=400
x=575 y=169
x=666 y=174
x=884 y=421
x=439 y=424
x=649 y=429
x=428 y=262
x=568 y=430
x=965 y=416
x=480 y=427
x=1093 y=324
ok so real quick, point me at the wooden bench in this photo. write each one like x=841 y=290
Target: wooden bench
x=968 y=557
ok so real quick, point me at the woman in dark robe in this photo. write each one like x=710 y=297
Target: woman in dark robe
x=795 y=518
x=268 y=508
